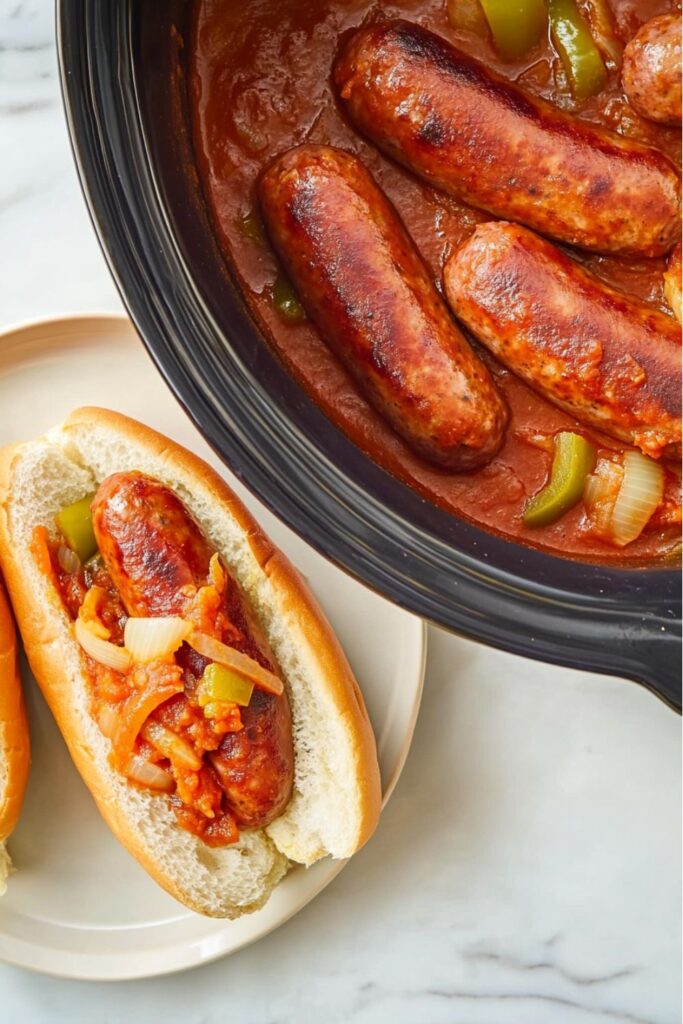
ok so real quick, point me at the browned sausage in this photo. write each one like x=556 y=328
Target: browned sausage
x=609 y=360
x=480 y=138
x=672 y=282
x=366 y=288
x=651 y=72
x=157 y=556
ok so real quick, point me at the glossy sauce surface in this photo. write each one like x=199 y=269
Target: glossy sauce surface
x=260 y=84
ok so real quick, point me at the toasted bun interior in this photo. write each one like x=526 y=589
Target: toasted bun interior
x=336 y=796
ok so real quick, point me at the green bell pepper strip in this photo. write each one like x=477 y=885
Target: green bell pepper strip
x=516 y=25
x=577 y=49
x=75 y=524
x=286 y=302
x=220 y=685
x=603 y=29
x=574 y=459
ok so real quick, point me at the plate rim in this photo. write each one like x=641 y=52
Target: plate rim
x=218 y=950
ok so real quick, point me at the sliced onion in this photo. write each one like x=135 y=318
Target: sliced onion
x=137 y=708
x=172 y=746
x=245 y=666
x=604 y=33
x=150 y=775
x=641 y=492
x=600 y=494
x=149 y=639
x=542 y=441
x=102 y=651
x=107 y=720
x=216 y=572
x=90 y=612
x=68 y=559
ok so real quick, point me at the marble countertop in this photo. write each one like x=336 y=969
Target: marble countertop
x=527 y=869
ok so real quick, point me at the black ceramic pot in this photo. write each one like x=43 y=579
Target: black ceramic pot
x=126 y=114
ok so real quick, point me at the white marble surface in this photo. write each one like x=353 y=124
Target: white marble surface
x=527 y=869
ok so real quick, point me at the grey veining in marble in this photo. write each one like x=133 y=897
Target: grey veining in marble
x=49 y=258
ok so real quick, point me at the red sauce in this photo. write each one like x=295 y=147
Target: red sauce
x=195 y=795
x=260 y=84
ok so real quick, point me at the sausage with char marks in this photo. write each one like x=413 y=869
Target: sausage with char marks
x=609 y=360
x=157 y=555
x=476 y=136
x=368 y=291
x=651 y=72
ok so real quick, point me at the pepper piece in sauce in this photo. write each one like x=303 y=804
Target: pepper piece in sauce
x=285 y=301
x=516 y=25
x=220 y=685
x=75 y=525
x=576 y=47
x=574 y=459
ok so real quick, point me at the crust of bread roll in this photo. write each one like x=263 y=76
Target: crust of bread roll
x=336 y=797
x=14 y=741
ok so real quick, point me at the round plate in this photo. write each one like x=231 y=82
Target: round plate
x=79 y=906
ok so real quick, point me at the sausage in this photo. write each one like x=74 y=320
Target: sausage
x=480 y=138
x=612 y=362
x=651 y=71
x=366 y=288
x=672 y=282
x=157 y=556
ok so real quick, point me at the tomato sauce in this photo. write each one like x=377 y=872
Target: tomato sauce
x=160 y=693
x=259 y=83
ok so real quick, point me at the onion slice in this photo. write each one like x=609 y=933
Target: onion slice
x=150 y=775
x=216 y=572
x=603 y=30
x=641 y=492
x=245 y=666
x=137 y=708
x=107 y=720
x=68 y=559
x=148 y=639
x=102 y=651
x=171 y=745
x=600 y=494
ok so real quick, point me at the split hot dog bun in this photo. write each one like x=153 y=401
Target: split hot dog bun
x=336 y=795
x=14 y=743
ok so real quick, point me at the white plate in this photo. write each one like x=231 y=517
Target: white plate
x=79 y=906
